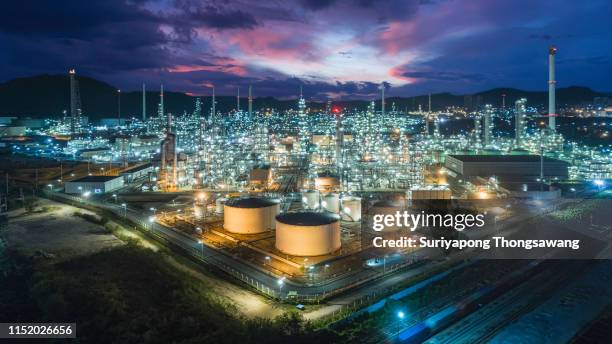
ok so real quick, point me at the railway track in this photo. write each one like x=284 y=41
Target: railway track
x=482 y=325
x=418 y=315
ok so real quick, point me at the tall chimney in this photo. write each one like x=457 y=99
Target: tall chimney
x=250 y=101
x=382 y=100
x=552 y=111
x=213 y=110
x=238 y=100
x=144 y=103
x=161 y=101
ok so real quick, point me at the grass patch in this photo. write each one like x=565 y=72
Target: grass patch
x=131 y=295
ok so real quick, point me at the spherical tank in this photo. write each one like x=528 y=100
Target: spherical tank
x=307 y=233
x=250 y=215
x=351 y=208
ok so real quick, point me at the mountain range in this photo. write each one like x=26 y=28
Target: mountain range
x=49 y=96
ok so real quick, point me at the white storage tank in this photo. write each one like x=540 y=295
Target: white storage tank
x=219 y=205
x=385 y=207
x=429 y=192
x=351 y=208
x=327 y=182
x=250 y=215
x=307 y=233
x=310 y=199
x=199 y=211
x=331 y=202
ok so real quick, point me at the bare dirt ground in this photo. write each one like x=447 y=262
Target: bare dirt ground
x=59 y=234
x=56 y=233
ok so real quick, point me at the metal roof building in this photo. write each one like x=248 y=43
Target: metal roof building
x=509 y=167
x=94 y=184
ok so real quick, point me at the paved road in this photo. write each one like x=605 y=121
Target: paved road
x=257 y=277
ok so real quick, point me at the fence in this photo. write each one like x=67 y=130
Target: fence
x=156 y=232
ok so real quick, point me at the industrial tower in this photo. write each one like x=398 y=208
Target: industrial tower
x=302 y=123
x=75 y=104
x=160 y=109
x=238 y=101
x=213 y=110
x=250 y=101
x=382 y=99
x=552 y=111
x=488 y=125
x=477 y=129
x=519 y=121
x=144 y=103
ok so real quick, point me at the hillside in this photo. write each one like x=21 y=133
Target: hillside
x=49 y=96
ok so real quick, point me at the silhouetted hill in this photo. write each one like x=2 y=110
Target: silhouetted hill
x=49 y=96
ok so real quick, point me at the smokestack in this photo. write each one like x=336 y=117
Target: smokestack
x=144 y=103
x=119 y=106
x=238 y=100
x=161 y=101
x=488 y=124
x=382 y=100
x=213 y=111
x=250 y=100
x=519 y=119
x=552 y=111
x=169 y=123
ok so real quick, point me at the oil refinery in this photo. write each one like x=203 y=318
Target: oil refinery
x=286 y=202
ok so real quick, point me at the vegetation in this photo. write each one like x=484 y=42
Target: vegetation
x=91 y=218
x=129 y=294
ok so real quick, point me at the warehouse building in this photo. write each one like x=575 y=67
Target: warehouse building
x=136 y=172
x=94 y=184
x=506 y=167
x=533 y=190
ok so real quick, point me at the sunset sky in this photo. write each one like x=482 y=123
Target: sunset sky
x=336 y=49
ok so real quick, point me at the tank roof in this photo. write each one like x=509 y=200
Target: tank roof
x=387 y=204
x=326 y=175
x=307 y=218
x=251 y=202
x=504 y=158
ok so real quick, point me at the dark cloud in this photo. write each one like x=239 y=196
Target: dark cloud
x=449 y=45
x=68 y=18
x=445 y=76
x=216 y=15
x=591 y=60
x=317 y=4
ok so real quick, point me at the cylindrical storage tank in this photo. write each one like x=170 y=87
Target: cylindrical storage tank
x=382 y=208
x=351 y=208
x=331 y=202
x=307 y=233
x=327 y=182
x=219 y=205
x=199 y=210
x=310 y=199
x=250 y=215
